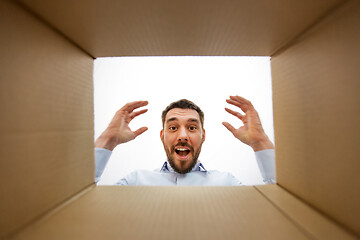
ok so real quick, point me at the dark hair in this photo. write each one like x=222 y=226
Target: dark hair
x=183 y=104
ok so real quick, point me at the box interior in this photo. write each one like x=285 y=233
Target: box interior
x=47 y=129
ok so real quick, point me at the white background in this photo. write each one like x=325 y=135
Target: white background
x=207 y=81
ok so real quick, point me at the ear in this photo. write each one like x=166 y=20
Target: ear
x=204 y=135
x=162 y=135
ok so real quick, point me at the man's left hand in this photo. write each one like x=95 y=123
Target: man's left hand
x=252 y=132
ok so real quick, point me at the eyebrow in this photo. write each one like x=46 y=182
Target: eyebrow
x=189 y=120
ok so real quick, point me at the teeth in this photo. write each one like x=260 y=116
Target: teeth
x=181 y=149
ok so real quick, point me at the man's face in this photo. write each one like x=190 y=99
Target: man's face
x=182 y=138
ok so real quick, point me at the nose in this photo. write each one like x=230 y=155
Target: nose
x=183 y=137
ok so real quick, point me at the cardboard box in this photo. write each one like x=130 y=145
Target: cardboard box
x=47 y=164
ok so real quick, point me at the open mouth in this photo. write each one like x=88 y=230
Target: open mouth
x=182 y=152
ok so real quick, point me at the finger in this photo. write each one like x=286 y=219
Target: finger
x=135 y=114
x=241 y=102
x=240 y=99
x=140 y=131
x=242 y=106
x=236 y=114
x=229 y=127
x=129 y=107
x=119 y=116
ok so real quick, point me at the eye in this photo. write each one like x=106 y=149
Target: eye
x=172 y=128
x=192 y=128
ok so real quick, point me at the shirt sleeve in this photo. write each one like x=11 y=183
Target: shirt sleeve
x=130 y=179
x=266 y=163
x=102 y=156
x=234 y=181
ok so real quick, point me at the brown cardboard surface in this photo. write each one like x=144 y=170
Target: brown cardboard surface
x=317 y=114
x=46 y=124
x=186 y=27
x=113 y=212
x=311 y=221
x=46 y=142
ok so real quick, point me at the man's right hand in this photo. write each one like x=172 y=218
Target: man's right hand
x=118 y=130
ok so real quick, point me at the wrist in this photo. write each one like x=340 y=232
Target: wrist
x=262 y=144
x=106 y=141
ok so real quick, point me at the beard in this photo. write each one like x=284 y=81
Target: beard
x=193 y=160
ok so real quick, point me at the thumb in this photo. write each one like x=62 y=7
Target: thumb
x=229 y=127
x=140 y=131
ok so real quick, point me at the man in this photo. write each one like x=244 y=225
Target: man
x=182 y=135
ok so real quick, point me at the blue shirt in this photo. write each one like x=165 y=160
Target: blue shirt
x=199 y=176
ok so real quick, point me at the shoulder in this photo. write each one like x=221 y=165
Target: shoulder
x=219 y=173
x=141 y=177
x=143 y=172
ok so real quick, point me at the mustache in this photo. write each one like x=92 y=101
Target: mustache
x=182 y=144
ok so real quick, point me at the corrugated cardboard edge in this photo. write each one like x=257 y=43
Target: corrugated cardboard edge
x=302 y=215
x=45 y=216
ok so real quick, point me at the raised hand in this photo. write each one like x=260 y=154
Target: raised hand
x=118 y=131
x=252 y=132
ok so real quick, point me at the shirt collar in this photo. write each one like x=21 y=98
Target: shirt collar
x=199 y=167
